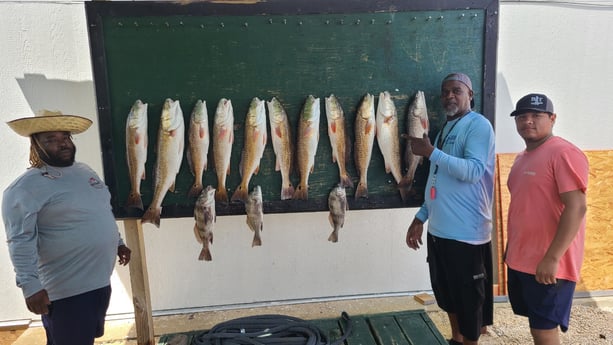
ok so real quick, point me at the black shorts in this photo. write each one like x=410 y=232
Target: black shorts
x=461 y=278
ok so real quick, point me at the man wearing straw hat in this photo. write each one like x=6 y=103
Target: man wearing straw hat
x=61 y=233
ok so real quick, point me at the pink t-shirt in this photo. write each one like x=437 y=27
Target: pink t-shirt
x=536 y=180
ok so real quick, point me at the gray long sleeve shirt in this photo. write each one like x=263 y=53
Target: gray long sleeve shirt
x=60 y=230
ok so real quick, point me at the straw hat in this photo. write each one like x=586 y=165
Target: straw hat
x=49 y=121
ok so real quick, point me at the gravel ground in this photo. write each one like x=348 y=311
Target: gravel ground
x=589 y=325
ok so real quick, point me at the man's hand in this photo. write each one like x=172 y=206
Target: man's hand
x=414 y=233
x=546 y=271
x=421 y=146
x=123 y=253
x=39 y=302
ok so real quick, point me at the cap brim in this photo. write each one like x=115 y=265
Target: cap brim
x=69 y=123
x=525 y=110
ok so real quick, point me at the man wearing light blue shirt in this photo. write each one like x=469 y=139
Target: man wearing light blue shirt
x=458 y=208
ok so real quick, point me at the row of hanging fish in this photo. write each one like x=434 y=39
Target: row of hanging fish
x=369 y=125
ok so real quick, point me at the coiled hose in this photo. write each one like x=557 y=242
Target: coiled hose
x=268 y=329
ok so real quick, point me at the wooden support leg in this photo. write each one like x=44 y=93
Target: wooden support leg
x=139 y=279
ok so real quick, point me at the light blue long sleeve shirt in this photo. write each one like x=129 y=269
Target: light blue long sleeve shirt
x=464 y=182
x=60 y=230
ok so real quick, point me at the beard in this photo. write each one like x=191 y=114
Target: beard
x=451 y=109
x=64 y=158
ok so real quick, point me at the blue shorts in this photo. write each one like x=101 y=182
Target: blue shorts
x=546 y=306
x=461 y=278
x=77 y=320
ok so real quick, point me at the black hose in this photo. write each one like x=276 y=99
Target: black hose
x=268 y=329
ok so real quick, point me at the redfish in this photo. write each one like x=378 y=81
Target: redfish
x=198 y=145
x=308 y=138
x=170 y=145
x=136 y=151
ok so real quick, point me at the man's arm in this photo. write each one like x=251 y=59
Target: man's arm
x=575 y=206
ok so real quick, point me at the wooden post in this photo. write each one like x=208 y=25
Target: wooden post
x=139 y=279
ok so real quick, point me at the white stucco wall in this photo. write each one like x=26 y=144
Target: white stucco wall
x=563 y=51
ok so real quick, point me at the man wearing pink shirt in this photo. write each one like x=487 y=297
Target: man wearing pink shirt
x=546 y=223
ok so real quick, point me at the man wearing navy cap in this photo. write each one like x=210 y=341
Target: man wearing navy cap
x=546 y=221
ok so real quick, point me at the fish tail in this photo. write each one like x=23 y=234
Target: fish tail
x=221 y=194
x=404 y=186
x=152 y=215
x=134 y=201
x=195 y=190
x=346 y=181
x=257 y=240
x=205 y=254
x=333 y=236
x=301 y=192
x=240 y=194
x=287 y=192
x=361 y=191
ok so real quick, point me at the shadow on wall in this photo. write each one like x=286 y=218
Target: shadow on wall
x=74 y=98
x=69 y=97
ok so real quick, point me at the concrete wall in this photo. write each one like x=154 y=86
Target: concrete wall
x=561 y=50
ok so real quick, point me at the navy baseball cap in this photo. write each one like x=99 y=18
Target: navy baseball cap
x=533 y=102
x=464 y=79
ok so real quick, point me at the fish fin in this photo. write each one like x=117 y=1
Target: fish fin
x=221 y=195
x=257 y=241
x=134 y=201
x=331 y=219
x=388 y=168
x=346 y=181
x=205 y=254
x=287 y=192
x=202 y=133
x=333 y=158
x=278 y=132
x=277 y=164
x=143 y=176
x=206 y=164
x=257 y=170
x=195 y=190
x=361 y=191
x=425 y=124
x=301 y=192
x=240 y=194
x=333 y=237
x=172 y=186
x=333 y=127
x=152 y=216
x=404 y=186
x=369 y=127
x=197 y=233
